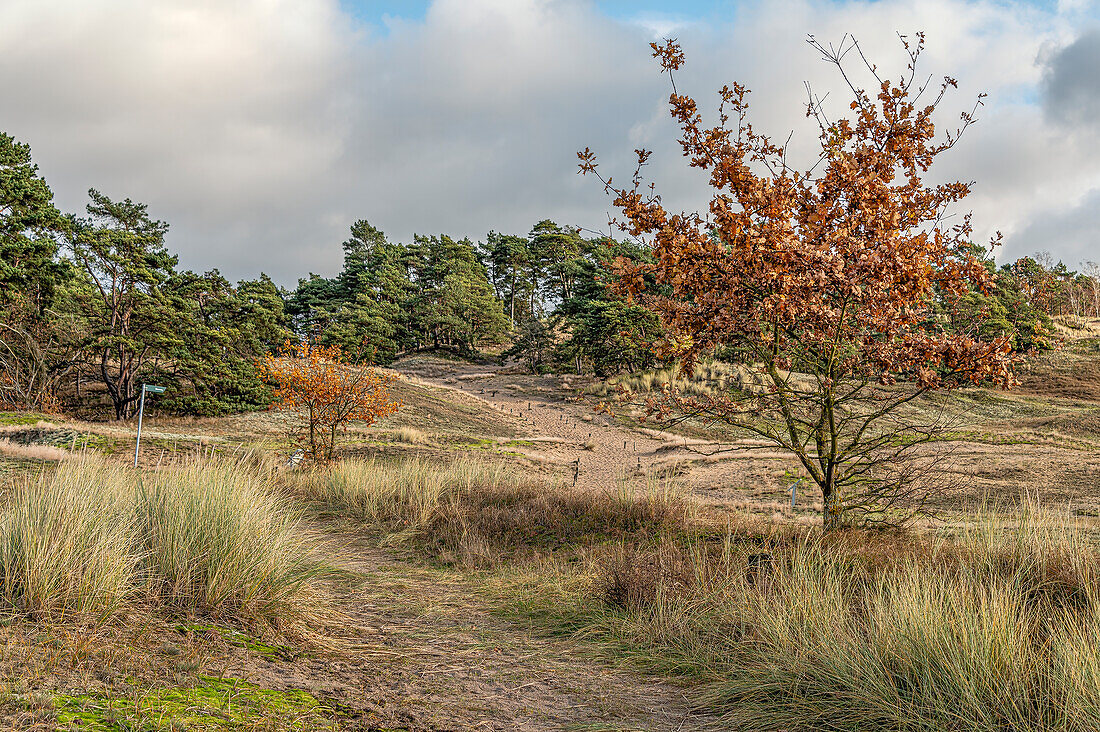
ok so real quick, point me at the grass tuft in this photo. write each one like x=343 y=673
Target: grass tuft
x=476 y=512
x=995 y=630
x=208 y=536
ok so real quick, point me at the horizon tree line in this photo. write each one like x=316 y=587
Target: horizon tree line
x=92 y=305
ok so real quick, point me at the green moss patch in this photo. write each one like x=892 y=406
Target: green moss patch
x=7 y=418
x=212 y=704
x=241 y=640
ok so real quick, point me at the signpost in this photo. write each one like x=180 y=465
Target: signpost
x=794 y=491
x=152 y=389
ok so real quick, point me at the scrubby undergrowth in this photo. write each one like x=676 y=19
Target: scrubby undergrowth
x=782 y=628
x=993 y=631
x=478 y=513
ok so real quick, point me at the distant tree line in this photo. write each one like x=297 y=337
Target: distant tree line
x=543 y=293
x=92 y=305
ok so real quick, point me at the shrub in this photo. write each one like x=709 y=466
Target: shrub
x=215 y=538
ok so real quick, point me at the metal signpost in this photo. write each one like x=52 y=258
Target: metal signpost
x=794 y=491
x=141 y=414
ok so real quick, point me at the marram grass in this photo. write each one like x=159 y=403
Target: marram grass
x=997 y=630
x=208 y=535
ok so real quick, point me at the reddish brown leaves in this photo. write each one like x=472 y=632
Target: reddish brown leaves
x=835 y=268
x=670 y=55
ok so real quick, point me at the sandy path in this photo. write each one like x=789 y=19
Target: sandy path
x=433 y=657
x=563 y=431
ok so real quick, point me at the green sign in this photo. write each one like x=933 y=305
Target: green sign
x=154 y=389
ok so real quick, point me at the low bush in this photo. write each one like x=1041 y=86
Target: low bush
x=215 y=537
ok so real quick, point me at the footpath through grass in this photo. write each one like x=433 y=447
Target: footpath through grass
x=775 y=627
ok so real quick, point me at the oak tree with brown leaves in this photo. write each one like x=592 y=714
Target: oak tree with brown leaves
x=326 y=392
x=822 y=278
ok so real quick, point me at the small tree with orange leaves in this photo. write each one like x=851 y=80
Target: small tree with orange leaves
x=326 y=392
x=823 y=279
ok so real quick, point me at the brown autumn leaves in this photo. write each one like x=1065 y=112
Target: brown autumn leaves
x=834 y=272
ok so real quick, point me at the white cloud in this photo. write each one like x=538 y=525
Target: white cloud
x=260 y=129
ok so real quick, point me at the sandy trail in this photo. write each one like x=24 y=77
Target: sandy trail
x=563 y=430
x=430 y=655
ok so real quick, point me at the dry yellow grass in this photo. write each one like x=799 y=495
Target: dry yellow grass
x=477 y=512
x=31 y=452
x=411 y=436
x=92 y=537
x=994 y=630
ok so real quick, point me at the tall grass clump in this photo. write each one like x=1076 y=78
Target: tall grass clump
x=403 y=493
x=214 y=537
x=996 y=630
x=206 y=536
x=67 y=542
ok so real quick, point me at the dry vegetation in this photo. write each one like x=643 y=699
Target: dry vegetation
x=989 y=622
x=478 y=513
x=994 y=631
x=94 y=537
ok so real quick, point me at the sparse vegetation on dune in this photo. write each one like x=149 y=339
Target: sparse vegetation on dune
x=782 y=626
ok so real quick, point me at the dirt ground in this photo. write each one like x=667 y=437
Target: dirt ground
x=561 y=431
x=1010 y=444
x=429 y=655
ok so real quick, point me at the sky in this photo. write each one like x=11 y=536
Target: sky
x=260 y=130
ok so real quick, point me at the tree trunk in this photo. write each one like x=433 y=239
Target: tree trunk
x=833 y=510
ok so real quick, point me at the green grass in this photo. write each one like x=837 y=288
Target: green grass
x=22 y=418
x=234 y=637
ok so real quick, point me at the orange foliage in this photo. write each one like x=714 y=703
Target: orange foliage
x=832 y=270
x=326 y=391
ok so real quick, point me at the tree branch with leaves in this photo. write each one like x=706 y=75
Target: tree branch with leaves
x=823 y=278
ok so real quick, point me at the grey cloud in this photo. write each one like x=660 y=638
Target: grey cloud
x=1071 y=84
x=1072 y=234
x=261 y=129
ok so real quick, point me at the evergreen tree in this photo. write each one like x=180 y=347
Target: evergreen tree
x=605 y=330
x=508 y=264
x=556 y=252
x=132 y=317
x=227 y=329
x=30 y=226
x=373 y=289
x=37 y=345
x=453 y=304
